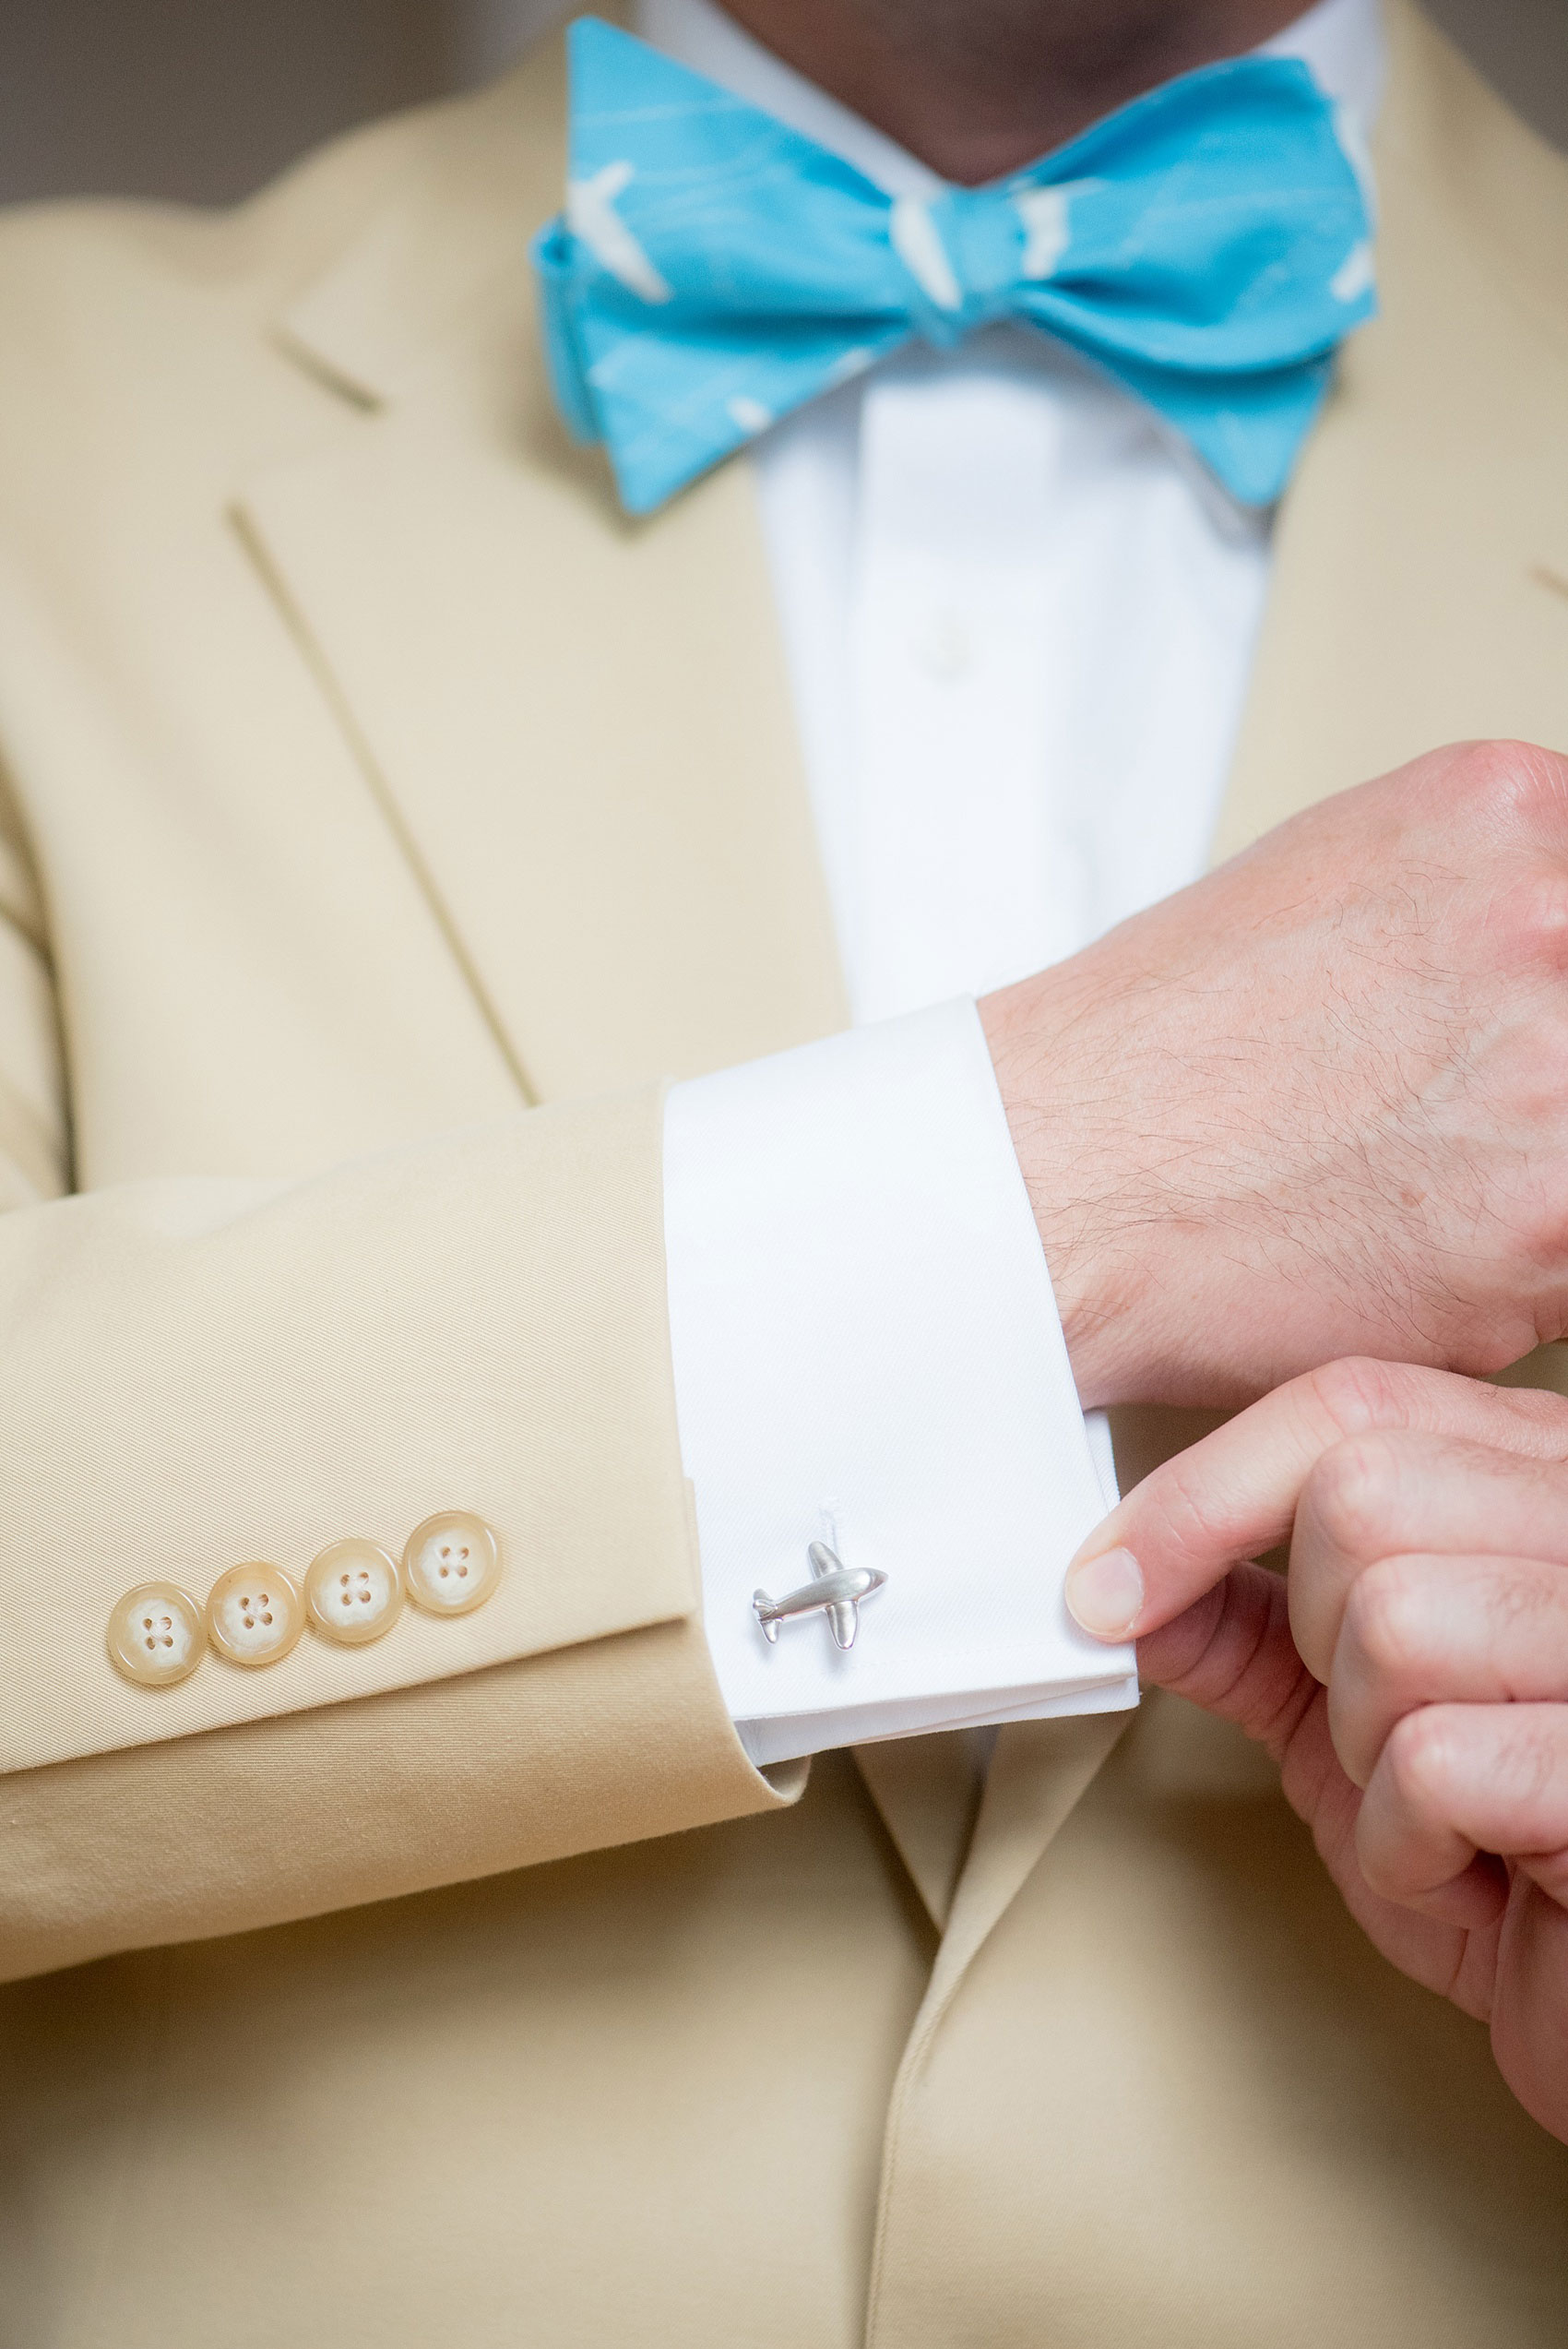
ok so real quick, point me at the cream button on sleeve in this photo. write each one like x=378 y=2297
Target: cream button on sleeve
x=452 y=1562
x=354 y=1592
x=254 y=1615
x=156 y=1634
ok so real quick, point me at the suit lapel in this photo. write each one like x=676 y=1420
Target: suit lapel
x=580 y=728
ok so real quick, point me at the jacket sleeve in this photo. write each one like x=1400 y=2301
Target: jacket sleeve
x=199 y=1374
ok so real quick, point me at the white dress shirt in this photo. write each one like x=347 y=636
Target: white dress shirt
x=1018 y=617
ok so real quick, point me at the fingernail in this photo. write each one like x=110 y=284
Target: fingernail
x=1105 y=1594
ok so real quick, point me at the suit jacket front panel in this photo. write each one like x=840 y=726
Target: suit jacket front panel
x=633 y=2096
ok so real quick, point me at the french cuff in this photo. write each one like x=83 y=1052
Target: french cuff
x=868 y=1358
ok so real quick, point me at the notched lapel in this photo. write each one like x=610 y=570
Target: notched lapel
x=580 y=728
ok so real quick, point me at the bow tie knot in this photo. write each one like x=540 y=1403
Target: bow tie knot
x=971 y=252
x=1206 y=245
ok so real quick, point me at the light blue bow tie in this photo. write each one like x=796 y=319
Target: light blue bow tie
x=1208 y=245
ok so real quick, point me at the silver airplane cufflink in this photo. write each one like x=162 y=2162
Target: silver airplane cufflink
x=835 y=1590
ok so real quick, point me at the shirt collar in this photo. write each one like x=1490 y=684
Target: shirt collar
x=1342 y=41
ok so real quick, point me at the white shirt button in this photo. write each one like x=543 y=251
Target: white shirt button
x=354 y=1592
x=156 y=1634
x=254 y=1615
x=452 y=1562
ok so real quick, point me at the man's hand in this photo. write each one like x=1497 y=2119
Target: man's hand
x=1316 y=1104
x=1410 y=1677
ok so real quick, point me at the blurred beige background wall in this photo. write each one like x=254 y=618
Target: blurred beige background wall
x=204 y=100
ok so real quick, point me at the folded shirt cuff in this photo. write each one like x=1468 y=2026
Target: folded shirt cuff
x=868 y=1355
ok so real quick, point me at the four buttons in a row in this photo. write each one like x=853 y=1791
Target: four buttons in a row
x=352 y=1593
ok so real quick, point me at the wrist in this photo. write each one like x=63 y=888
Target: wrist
x=1098 y=1256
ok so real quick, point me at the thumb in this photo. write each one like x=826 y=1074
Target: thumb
x=1234 y=1495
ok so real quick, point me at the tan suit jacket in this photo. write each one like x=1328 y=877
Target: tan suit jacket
x=384 y=819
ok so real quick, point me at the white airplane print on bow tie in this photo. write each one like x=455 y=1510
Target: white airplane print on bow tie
x=593 y=220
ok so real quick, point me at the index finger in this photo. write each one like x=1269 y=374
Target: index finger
x=1234 y=1496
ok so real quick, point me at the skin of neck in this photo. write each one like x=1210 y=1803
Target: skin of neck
x=979 y=88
